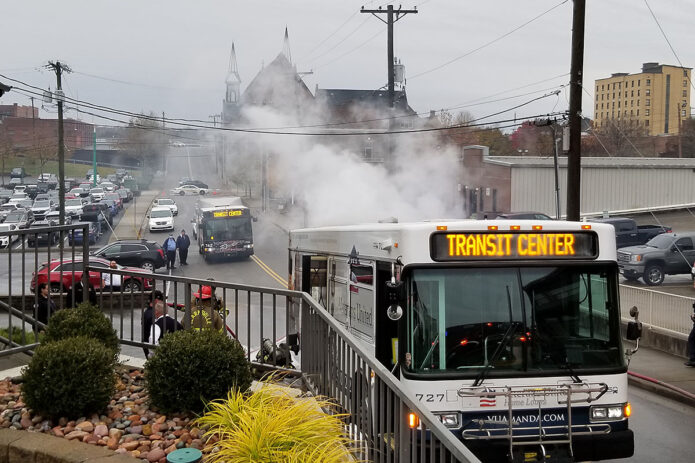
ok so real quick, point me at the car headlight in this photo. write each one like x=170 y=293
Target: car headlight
x=636 y=258
x=248 y=246
x=450 y=420
x=610 y=412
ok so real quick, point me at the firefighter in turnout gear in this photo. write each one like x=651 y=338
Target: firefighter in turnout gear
x=205 y=311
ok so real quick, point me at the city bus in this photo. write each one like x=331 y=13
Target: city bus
x=508 y=331
x=222 y=227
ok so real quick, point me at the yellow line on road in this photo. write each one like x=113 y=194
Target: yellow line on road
x=275 y=276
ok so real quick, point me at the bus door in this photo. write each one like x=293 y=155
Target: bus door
x=338 y=276
x=385 y=330
x=361 y=299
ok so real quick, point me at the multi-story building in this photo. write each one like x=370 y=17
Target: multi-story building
x=656 y=99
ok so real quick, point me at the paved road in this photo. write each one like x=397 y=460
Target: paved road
x=663 y=428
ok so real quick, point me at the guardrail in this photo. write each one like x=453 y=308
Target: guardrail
x=669 y=313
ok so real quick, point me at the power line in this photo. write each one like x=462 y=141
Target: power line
x=341 y=41
x=436 y=68
x=198 y=126
x=379 y=32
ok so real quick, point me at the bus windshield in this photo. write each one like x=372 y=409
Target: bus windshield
x=228 y=229
x=513 y=320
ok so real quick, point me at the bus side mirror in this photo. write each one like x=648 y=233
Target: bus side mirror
x=395 y=295
x=255 y=219
x=634 y=329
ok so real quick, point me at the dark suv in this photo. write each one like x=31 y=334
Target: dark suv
x=134 y=253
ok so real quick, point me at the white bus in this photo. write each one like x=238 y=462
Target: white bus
x=509 y=331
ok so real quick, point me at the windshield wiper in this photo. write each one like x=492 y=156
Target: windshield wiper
x=565 y=366
x=430 y=352
x=500 y=347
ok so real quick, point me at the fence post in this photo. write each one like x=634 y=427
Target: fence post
x=85 y=260
x=187 y=308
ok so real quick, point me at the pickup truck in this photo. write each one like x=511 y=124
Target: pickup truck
x=628 y=233
x=665 y=254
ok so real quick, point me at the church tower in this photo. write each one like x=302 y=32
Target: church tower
x=230 y=106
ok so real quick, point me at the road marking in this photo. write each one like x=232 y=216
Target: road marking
x=269 y=271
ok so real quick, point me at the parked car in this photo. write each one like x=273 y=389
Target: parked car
x=17 y=185
x=135 y=253
x=32 y=191
x=50 y=272
x=54 y=216
x=85 y=186
x=18 y=197
x=160 y=218
x=107 y=186
x=7 y=240
x=75 y=236
x=45 y=238
x=189 y=189
x=45 y=177
x=97 y=194
x=96 y=210
x=73 y=207
x=123 y=195
x=18 y=172
x=628 y=233
x=665 y=254
x=42 y=197
x=166 y=202
x=6 y=209
x=21 y=218
x=42 y=207
x=112 y=208
x=81 y=192
x=129 y=192
x=115 y=197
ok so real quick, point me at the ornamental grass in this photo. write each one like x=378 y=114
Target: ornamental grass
x=271 y=426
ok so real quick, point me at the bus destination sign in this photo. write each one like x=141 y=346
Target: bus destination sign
x=228 y=213
x=505 y=245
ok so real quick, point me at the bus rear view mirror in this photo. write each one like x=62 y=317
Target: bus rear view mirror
x=395 y=295
x=634 y=331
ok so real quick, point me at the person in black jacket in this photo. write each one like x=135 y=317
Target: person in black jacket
x=45 y=306
x=163 y=324
x=183 y=242
x=76 y=294
x=148 y=318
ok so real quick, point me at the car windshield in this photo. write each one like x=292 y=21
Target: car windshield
x=166 y=202
x=160 y=214
x=73 y=202
x=228 y=229
x=513 y=320
x=42 y=203
x=8 y=207
x=96 y=190
x=661 y=241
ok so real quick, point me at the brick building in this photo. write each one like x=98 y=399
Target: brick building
x=26 y=133
x=14 y=110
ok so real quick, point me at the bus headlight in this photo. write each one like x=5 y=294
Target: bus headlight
x=450 y=420
x=610 y=412
x=248 y=246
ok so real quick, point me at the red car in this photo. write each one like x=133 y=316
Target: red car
x=96 y=278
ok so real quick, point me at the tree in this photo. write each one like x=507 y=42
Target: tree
x=497 y=141
x=619 y=135
x=532 y=140
x=145 y=138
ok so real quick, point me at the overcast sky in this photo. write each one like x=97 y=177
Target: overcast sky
x=172 y=55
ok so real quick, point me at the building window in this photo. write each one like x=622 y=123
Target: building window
x=632 y=102
x=613 y=104
x=685 y=93
x=618 y=85
x=613 y=85
x=684 y=103
x=648 y=102
x=618 y=103
x=597 y=89
x=649 y=82
x=632 y=113
x=683 y=113
x=596 y=106
x=602 y=87
x=646 y=122
x=638 y=82
x=638 y=93
x=646 y=112
x=685 y=83
x=638 y=113
x=625 y=93
x=685 y=73
x=601 y=105
x=614 y=95
x=648 y=92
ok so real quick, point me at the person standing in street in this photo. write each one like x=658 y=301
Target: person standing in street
x=691 y=342
x=170 y=248
x=183 y=242
x=45 y=307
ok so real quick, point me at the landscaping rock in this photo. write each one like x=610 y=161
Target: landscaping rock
x=101 y=430
x=76 y=435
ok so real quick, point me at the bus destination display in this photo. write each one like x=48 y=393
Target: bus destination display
x=513 y=245
x=228 y=213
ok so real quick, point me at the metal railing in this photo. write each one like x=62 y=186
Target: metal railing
x=666 y=312
x=25 y=269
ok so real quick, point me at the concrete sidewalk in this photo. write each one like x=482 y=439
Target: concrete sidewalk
x=130 y=225
x=662 y=373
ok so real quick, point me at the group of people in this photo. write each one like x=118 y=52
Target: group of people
x=204 y=314
x=180 y=244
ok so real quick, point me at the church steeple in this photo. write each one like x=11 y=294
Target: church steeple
x=286 y=46
x=233 y=80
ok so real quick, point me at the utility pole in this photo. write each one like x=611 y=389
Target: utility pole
x=392 y=16
x=59 y=68
x=574 y=155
